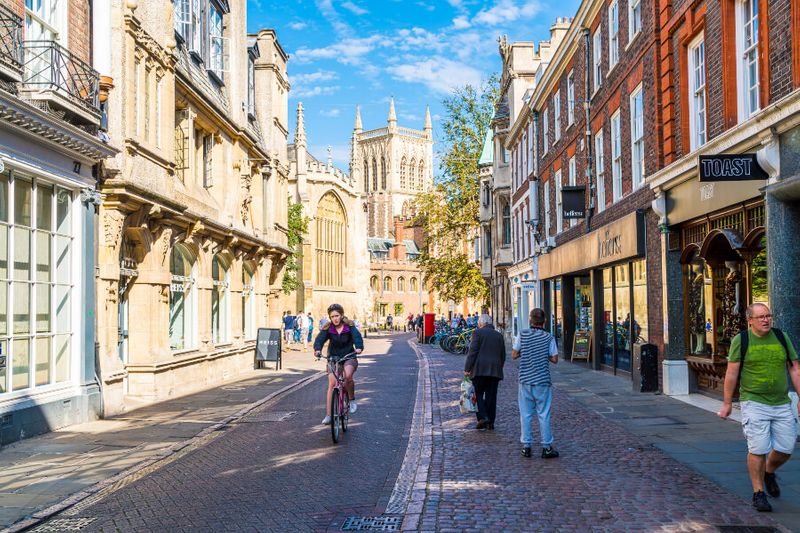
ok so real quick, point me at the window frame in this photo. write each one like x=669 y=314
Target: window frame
x=600 y=181
x=698 y=125
x=559 y=202
x=546 y=193
x=616 y=156
x=613 y=35
x=545 y=129
x=506 y=225
x=637 y=143
x=597 y=58
x=557 y=116
x=220 y=328
x=745 y=86
x=570 y=98
x=634 y=21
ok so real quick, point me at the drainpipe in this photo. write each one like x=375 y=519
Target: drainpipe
x=534 y=186
x=588 y=135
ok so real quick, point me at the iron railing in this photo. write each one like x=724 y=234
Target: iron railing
x=10 y=40
x=51 y=66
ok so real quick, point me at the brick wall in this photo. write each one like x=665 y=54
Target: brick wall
x=80 y=30
x=780 y=48
x=715 y=91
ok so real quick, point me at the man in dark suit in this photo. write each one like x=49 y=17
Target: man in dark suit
x=484 y=365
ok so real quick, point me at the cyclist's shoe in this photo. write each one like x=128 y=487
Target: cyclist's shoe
x=353 y=407
x=326 y=420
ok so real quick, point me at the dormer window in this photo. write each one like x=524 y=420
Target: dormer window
x=251 y=88
x=198 y=23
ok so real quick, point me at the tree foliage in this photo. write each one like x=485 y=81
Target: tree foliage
x=297 y=230
x=449 y=212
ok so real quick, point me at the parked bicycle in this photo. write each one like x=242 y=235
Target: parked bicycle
x=340 y=402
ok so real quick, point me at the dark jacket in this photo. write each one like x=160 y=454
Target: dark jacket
x=487 y=353
x=339 y=344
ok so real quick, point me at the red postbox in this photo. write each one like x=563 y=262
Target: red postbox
x=427 y=326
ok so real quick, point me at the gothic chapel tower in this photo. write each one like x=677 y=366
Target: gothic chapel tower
x=391 y=165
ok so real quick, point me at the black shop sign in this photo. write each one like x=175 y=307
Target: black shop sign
x=268 y=347
x=741 y=167
x=573 y=202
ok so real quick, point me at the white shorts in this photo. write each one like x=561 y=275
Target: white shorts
x=768 y=427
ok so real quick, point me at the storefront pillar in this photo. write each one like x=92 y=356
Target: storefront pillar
x=597 y=317
x=567 y=314
x=676 y=377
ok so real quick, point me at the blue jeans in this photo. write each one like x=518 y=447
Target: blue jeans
x=539 y=398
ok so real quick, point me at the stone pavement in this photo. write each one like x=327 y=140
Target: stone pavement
x=607 y=479
x=41 y=471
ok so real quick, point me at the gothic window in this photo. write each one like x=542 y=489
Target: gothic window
x=412 y=170
x=403 y=172
x=506 y=225
x=181 y=299
x=374 y=174
x=373 y=283
x=387 y=283
x=220 y=300
x=383 y=173
x=330 y=242
x=421 y=176
x=412 y=285
x=401 y=284
x=366 y=176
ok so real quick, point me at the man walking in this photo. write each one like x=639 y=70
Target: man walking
x=757 y=359
x=484 y=365
x=536 y=349
x=288 y=327
x=304 y=322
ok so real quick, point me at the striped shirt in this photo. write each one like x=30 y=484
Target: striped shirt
x=535 y=346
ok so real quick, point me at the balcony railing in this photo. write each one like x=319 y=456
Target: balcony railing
x=50 y=66
x=10 y=42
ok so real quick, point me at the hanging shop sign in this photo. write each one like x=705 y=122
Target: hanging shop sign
x=726 y=167
x=573 y=202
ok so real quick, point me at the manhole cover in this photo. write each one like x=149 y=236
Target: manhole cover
x=270 y=416
x=747 y=529
x=372 y=523
x=64 y=524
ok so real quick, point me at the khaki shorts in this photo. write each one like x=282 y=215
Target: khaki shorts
x=350 y=363
x=768 y=427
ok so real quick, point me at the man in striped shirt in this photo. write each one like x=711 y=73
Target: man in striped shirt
x=536 y=349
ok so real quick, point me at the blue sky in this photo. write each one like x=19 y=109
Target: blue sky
x=345 y=53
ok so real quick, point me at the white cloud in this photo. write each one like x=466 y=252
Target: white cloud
x=348 y=52
x=298 y=26
x=438 y=73
x=313 y=77
x=331 y=113
x=506 y=11
x=410 y=117
x=461 y=23
x=329 y=13
x=318 y=90
x=354 y=9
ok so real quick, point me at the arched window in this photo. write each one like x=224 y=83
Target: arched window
x=181 y=299
x=330 y=241
x=401 y=284
x=506 y=225
x=373 y=283
x=412 y=285
x=383 y=173
x=421 y=176
x=412 y=169
x=387 y=283
x=366 y=176
x=248 y=301
x=403 y=172
x=220 y=301
x=374 y=174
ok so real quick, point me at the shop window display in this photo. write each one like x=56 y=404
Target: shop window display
x=608 y=321
x=625 y=319
x=623 y=314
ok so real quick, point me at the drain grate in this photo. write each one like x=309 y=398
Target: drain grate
x=747 y=529
x=59 y=525
x=269 y=416
x=372 y=523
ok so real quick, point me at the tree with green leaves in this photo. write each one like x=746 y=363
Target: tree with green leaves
x=449 y=212
x=297 y=230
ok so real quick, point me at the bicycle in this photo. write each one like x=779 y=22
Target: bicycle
x=340 y=401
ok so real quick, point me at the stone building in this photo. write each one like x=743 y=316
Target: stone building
x=334 y=265
x=192 y=236
x=52 y=100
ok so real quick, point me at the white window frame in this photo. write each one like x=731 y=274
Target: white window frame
x=198 y=24
x=183 y=18
x=597 y=58
x=216 y=42
x=616 y=156
x=559 y=203
x=547 y=208
x=613 y=35
x=189 y=288
x=222 y=333
x=49 y=19
x=600 y=178
x=570 y=98
x=557 y=116
x=208 y=159
x=748 y=54
x=251 y=88
x=634 y=19
x=697 y=92
x=637 y=137
x=545 y=129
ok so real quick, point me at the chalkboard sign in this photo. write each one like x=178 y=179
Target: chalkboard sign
x=268 y=347
x=581 y=345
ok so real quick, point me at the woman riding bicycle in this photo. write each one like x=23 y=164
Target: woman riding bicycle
x=343 y=339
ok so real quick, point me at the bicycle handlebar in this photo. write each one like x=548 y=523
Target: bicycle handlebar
x=351 y=355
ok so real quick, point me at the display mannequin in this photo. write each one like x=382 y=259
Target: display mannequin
x=733 y=317
x=697 y=323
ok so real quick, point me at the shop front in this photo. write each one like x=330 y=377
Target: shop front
x=595 y=294
x=524 y=294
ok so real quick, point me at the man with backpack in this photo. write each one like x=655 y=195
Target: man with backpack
x=758 y=359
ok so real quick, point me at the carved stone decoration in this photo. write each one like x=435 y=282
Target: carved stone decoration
x=163 y=293
x=111 y=293
x=112 y=227
x=164 y=243
x=146 y=42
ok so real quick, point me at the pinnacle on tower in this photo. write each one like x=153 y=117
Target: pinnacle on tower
x=392 y=115
x=300 y=132
x=428 y=124
x=357 y=127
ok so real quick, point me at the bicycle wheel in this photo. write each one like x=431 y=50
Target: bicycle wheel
x=345 y=417
x=335 y=416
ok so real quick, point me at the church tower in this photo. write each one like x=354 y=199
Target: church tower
x=391 y=166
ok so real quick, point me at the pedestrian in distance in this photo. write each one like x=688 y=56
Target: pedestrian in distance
x=288 y=327
x=305 y=325
x=536 y=349
x=757 y=361
x=297 y=324
x=484 y=366
x=310 y=326
x=389 y=322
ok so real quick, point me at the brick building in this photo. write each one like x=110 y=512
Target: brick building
x=729 y=74
x=52 y=102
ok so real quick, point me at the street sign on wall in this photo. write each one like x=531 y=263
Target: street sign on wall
x=725 y=167
x=573 y=202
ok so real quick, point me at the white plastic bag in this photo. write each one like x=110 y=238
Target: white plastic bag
x=468 y=402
